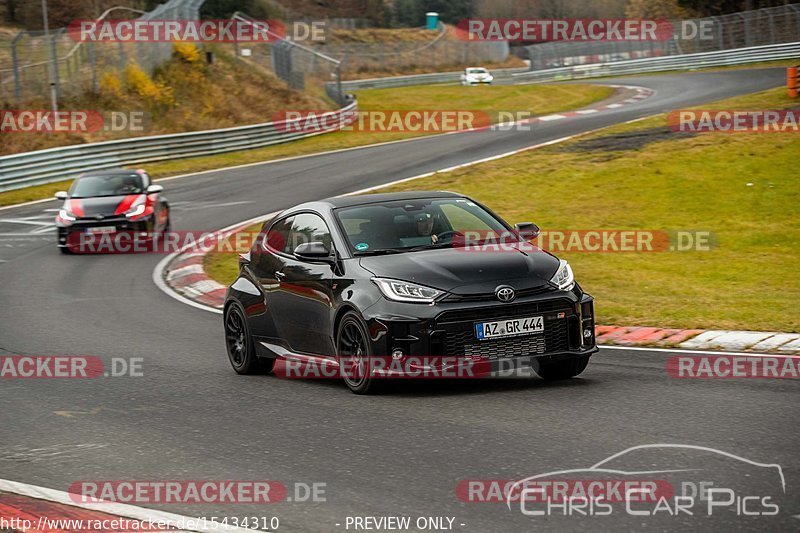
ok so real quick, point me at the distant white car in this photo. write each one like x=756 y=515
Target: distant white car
x=476 y=76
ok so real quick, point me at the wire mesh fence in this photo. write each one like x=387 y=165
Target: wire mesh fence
x=440 y=51
x=320 y=68
x=300 y=66
x=28 y=72
x=760 y=27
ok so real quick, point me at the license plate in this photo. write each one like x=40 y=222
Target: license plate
x=509 y=328
x=101 y=229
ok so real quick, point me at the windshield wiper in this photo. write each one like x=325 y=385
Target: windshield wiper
x=440 y=244
x=382 y=251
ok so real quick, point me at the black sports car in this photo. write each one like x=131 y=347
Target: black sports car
x=351 y=279
x=110 y=202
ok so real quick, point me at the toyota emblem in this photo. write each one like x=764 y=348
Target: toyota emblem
x=504 y=293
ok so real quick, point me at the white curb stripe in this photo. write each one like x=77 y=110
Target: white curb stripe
x=185 y=271
x=776 y=341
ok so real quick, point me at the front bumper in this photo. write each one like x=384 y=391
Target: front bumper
x=71 y=236
x=447 y=329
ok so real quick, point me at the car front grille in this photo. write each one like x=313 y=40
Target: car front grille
x=561 y=330
x=462 y=342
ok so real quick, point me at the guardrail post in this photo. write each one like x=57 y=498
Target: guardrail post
x=792 y=81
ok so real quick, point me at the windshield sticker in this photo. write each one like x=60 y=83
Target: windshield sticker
x=362 y=246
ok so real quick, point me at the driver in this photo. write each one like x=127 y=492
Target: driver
x=128 y=185
x=424 y=224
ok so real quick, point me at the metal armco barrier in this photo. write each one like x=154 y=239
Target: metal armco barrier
x=738 y=56
x=57 y=164
x=792 y=81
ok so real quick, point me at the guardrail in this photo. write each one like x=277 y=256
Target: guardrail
x=738 y=56
x=57 y=164
x=422 y=79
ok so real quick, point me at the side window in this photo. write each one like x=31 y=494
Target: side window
x=278 y=234
x=308 y=227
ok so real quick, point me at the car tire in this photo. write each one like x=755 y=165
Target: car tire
x=564 y=369
x=65 y=250
x=168 y=225
x=239 y=344
x=354 y=354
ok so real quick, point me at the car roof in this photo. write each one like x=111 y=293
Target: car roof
x=115 y=172
x=362 y=199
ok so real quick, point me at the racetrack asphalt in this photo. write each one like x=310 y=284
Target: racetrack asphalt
x=190 y=417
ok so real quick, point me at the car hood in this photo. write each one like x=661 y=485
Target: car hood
x=101 y=205
x=463 y=272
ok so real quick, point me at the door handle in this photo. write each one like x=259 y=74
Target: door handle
x=279 y=274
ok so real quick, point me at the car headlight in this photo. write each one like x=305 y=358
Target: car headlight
x=66 y=216
x=404 y=291
x=135 y=210
x=563 y=278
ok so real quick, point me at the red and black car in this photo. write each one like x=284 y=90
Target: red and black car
x=111 y=202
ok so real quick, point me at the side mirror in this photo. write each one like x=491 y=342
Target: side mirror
x=61 y=195
x=526 y=230
x=313 y=251
x=154 y=189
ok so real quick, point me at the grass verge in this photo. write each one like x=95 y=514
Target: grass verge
x=539 y=99
x=743 y=188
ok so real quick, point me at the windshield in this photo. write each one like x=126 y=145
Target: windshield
x=476 y=71
x=111 y=185
x=414 y=224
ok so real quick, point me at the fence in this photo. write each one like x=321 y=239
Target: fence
x=438 y=52
x=26 y=71
x=739 y=56
x=57 y=164
x=300 y=66
x=759 y=27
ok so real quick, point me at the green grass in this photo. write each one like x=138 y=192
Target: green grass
x=224 y=266
x=743 y=188
x=538 y=99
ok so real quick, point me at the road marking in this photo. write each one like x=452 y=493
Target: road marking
x=24 y=221
x=117 y=509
